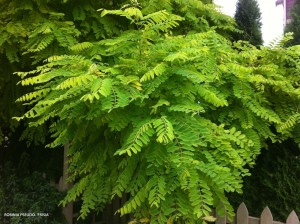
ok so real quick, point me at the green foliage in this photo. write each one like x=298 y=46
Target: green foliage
x=31 y=31
x=158 y=105
x=248 y=20
x=274 y=182
x=293 y=26
x=28 y=194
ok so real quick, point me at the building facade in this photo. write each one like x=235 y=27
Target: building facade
x=287 y=6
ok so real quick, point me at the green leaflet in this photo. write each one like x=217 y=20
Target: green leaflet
x=164 y=130
x=156 y=71
x=137 y=139
x=99 y=87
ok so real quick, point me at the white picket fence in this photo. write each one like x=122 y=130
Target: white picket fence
x=266 y=217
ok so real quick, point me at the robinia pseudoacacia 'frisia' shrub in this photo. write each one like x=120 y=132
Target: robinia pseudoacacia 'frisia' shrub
x=166 y=110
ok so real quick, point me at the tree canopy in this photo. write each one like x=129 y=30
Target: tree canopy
x=152 y=98
x=248 y=20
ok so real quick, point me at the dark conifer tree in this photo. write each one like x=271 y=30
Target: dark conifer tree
x=248 y=19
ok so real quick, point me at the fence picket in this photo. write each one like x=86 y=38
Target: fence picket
x=242 y=217
x=221 y=219
x=266 y=216
x=293 y=218
x=242 y=214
